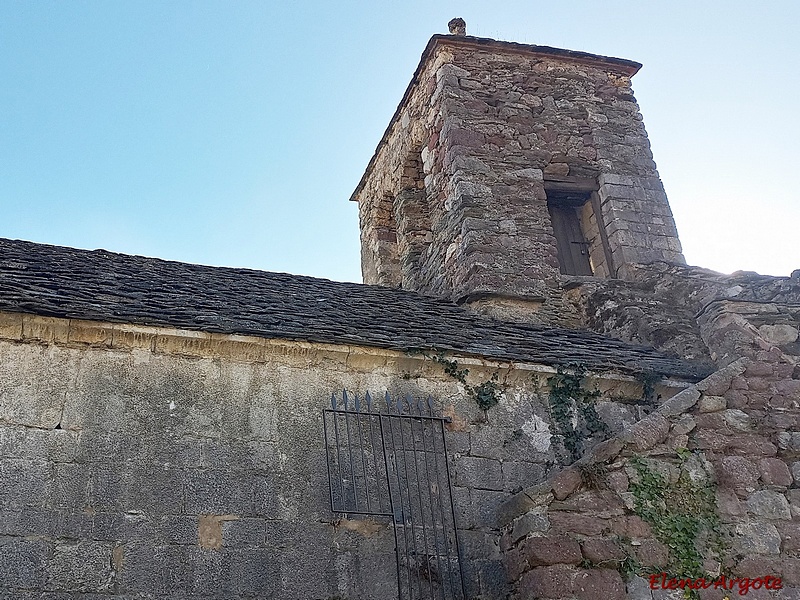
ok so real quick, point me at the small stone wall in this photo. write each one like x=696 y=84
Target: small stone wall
x=581 y=534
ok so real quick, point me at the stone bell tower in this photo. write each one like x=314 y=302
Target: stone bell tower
x=510 y=170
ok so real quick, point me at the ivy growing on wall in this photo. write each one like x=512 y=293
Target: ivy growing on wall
x=572 y=408
x=486 y=394
x=682 y=514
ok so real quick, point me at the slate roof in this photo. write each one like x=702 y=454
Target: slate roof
x=118 y=288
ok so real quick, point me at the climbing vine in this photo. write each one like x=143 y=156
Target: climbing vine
x=683 y=515
x=486 y=394
x=649 y=379
x=573 y=409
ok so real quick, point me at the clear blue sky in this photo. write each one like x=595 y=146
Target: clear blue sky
x=233 y=132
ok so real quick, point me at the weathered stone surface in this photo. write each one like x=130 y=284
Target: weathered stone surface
x=768 y=504
x=680 y=402
x=648 y=432
x=709 y=404
x=479 y=473
x=535 y=521
x=599 y=583
x=651 y=553
x=774 y=472
x=638 y=588
x=566 y=482
x=547 y=582
x=551 y=550
x=604 y=552
x=758 y=538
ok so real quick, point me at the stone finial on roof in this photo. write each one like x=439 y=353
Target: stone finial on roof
x=457 y=26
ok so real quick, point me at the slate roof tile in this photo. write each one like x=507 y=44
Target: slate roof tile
x=118 y=288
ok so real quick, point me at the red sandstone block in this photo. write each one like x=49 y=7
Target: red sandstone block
x=566 y=482
x=602 y=551
x=774 y=472
x=631 y=526
x=651 y=553
x=594 y=584
x=568 y=522
x=551 y=550
x=547 y=582
x=758 y=369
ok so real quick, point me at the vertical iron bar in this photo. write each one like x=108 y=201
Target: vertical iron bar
x=400 y=492
x=327 y=454
x=375 y=456
x=421 y=507
x=410 y=504
x=441 y=506
x=339 y=460
x=430 y=499
x=363 y=455
x=350 y=451
x=391 y=504
x=453 y=510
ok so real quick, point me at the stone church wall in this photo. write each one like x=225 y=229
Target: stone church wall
x=148 y=462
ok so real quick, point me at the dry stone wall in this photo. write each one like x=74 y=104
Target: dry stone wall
x=585 y=534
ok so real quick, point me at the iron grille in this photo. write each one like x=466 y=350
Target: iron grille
x=389 y=458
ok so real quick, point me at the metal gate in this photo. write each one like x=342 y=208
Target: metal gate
x=389 y=458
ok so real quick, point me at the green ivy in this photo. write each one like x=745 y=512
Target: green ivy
x=683 y=516
x=649 y=379
x=485 y=394
x=570 y=403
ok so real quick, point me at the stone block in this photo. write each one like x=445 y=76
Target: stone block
x=757 y=538
x=738 y=473
x=631 y=526
x=518 y=474
x=774 y=472
x=566 y=482
x=535 y=521
x=647 y=433
x=568 y=522
x=33 y=381
x=22 y=563
x=244 y=532
x=81 y=567
x=769 y=505
x=709 y=404
x=547 y=582
x=89 y=332
x=638 y=588
x=551 y=550
x=651 y=553
x=479 y=473
x=602 y=551
x=599 y=583
x=219 y=492
x=11 y=326
x=156 y=570
x=485 y=504
x=25 y=483
x=680 y=402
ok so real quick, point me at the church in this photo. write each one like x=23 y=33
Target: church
x=531 y=395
